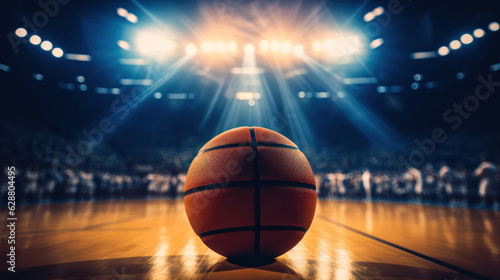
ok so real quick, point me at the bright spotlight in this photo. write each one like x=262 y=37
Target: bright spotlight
x=285 y=47
x=275 y=46
x=240 y=95
x=369 y=17
x=376 y=43
x=157 y=95
x=298 y=50
x=131 y=17
x=57 y=52
x=46 y=45
x=466 y=39
x=153 y=43
x=478 y=33
x=123 y=44
x=417 y=77
x=442 y=51
x=378 y=11
x=231 y=46
x=191 y=49
x=122 y=12
x=328 y=45
x=264 y=45
x=208 y=47
x=80 y=79
x=316 y=46
x=302 y=94
x=494 y=26
x=35 y=40
x=249 y=49
x=251 y=102
x=455 y=45
x=353 y=44
x=248 y=95
x=221 y=47
x=21 y=32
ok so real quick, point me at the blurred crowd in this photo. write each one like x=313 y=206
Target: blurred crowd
x=454 y=176
x=34 y=185
x=455 y=186
x=444 y=185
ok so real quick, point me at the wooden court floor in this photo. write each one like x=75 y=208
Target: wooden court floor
x=152 y=239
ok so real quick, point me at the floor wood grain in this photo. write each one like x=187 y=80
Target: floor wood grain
x=152 y=239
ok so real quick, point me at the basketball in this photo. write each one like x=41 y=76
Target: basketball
x=250 y=193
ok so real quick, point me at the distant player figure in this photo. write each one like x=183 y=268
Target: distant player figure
x=444 y=183
x=487 y=173
x=325 y=187
x=415 y=178
x=459 y=185
x=366 y=179
x=337 y=183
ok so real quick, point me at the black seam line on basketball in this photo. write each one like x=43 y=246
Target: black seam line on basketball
x=420 y=255
x=256 y=186
x=247 y=183
x=251 y=228
x=259 y=144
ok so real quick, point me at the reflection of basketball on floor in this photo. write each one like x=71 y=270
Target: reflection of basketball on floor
x=250 y=193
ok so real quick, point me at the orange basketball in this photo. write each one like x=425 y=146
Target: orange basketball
x=250 y=193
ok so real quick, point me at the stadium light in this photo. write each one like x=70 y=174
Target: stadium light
x=57 y=52
x=249 y=49
x=131 y=17
x=35 y=40
x=442 y=51
x=153 y=43
x=328 y=45
x=123 y=44
x=494 y=26
x=264 y=45
x=122 y=12
x=285 y=47
x=455 y=45
x=231 y=46
x=298 y=50
x=376 y=43
x=317 y=46
x=221 y=47
x=208 y=47
x=275 y=46
x=369 y=17
x=466 y=39
x=479 y=33
x=21 y=32
x=191 y=49
x=46 y=45
x=378 y=11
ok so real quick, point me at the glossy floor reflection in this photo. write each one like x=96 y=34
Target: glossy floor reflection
x=152 y=239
